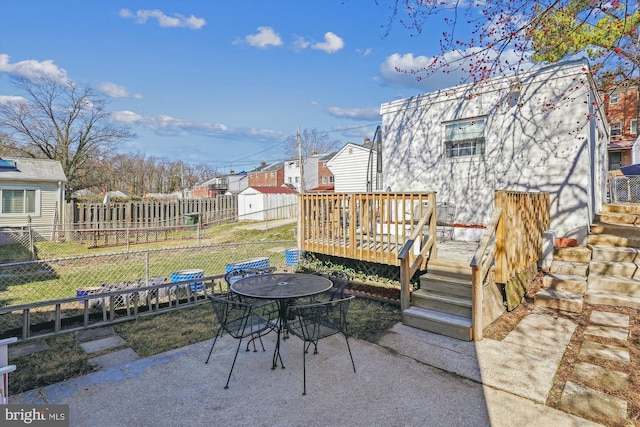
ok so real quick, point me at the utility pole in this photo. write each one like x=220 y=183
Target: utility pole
x=300 y=163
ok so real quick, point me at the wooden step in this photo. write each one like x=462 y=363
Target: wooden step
x=614 y=253
x=440 y=323
x=451 y=284
x=561 y=282
x=439 y=266
x=615 y=268
x=450 y=304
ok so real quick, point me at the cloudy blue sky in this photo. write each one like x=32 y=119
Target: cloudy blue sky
x=223 y=82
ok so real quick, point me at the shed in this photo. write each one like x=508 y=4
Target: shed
x=541 y=130
x=32 y=190
x=267 y=203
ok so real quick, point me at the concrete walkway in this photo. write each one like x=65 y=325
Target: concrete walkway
x=409 y=378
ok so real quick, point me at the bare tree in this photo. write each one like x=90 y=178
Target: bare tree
x=61 y=121
x=311 y=141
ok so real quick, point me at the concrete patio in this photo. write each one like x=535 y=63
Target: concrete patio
x=408 y=378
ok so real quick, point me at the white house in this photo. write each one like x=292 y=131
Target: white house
x=541 y=130
x=354 y=168
x=267 y=203
x=311 y=170
x=31 y=190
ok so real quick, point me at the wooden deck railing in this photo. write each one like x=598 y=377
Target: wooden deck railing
x=512 y=242
x=369 y=227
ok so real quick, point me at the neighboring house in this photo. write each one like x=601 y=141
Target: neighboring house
x=316 y=172
x=267 y=175
x=540 y=130
x=267 y=203
x=232 y=183
x=354 y=168
x=32 y=190
x=622 y=107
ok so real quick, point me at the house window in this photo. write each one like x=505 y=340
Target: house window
x=331 y=179
x=614 y=98
x=464 y=137
x=290 y=180
x=324 y=180
x=273 y=174
x=297 y=179
x=616 y=129
x=633 y=129
x=20 y=202
x=615 y=160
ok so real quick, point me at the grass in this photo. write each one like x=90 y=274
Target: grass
x=150 y=335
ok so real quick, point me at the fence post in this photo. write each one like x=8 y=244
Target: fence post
x=31 y=248
x=198 y=234
x=146 y=266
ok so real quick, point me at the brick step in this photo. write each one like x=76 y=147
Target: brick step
x=569 y=283
x=613 y=284
x=569 y=268
x=616 y=229
x=618 y=218
x=614 y=253
x=578 y=254
x=615 y=268
x=613 y=240
x=560 y=300
x=630 y=208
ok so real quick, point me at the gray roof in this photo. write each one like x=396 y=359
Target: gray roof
x=33 y=170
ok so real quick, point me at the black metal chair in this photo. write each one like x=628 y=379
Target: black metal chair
x=340 y=280
x=240 y=320
x=445 y=214
x=320 y=320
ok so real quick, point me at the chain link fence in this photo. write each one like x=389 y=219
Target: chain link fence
x=64 y=277
x=624 y=189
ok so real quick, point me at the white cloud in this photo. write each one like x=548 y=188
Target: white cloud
x=332 y=43
x=32 y=70
x=113 y=90
x=364 y=53
x=165 y=21
x=432 y=73
x=170 y=126
x=372 y=113
x=265 y=38
x=299 y=43
x=11 y=99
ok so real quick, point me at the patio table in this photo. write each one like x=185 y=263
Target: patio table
x=283 y=288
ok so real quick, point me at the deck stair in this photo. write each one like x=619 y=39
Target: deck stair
x=443 y=302
x=614 y=271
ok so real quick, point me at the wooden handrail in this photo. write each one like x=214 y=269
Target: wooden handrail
x=479 y=269
x=408 y=268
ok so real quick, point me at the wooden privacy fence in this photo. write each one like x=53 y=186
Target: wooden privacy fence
x=369 y=227
x=151 y=213
x=512 y=240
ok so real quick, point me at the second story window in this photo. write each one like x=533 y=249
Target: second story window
x=614 y=98
x=634 y=127
x=616 y=129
